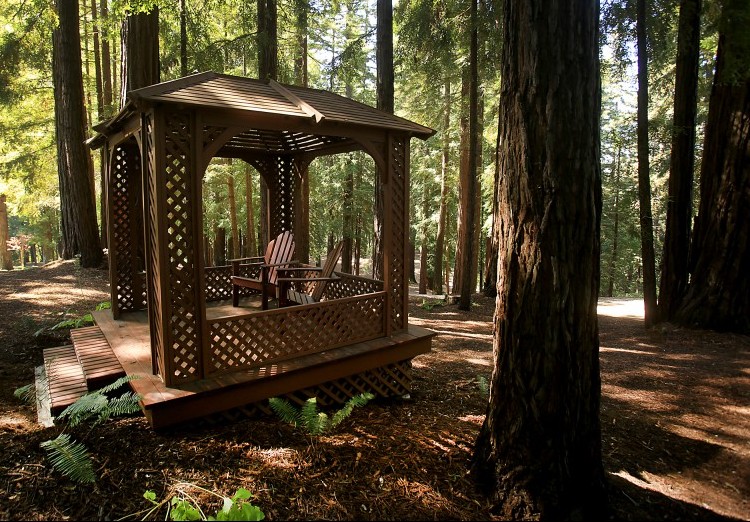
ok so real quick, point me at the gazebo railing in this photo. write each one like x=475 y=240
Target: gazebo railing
x=261 y=338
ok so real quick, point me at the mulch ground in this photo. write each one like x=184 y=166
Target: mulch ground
x=675 y=427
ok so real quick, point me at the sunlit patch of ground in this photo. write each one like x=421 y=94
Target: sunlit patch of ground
x=620 y=307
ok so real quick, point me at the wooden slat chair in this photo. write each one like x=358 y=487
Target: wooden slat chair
x=279 y=254
x=311 y=285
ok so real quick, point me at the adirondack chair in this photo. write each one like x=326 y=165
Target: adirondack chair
x=310 y=281
x=278 y=254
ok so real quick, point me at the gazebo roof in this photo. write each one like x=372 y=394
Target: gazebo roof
x=257 y=99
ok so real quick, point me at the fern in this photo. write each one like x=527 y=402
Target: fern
x=26 y=393
x=313 y=421
x=70 y=458
x=97 y=405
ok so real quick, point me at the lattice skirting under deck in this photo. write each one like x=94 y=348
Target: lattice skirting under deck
x=393 y=380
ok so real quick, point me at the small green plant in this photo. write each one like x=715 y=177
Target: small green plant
x=71 y=458
x=78 y=322
x=313 y=421
x=429 y=305
x=26 y=393
x=483 y=385
x=181 y=505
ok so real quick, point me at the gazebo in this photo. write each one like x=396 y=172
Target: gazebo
x=194 y=359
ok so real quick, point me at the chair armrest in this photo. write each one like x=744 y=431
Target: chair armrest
x=274 y=265
x=246 y=258
x=301 y=269
x=305 y=279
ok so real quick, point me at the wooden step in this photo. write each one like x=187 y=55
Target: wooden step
x=64 y=376
x=98 y=361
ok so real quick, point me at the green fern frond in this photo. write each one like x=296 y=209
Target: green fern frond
x=346 y=410
x=119 y=382
x=286 y=411
x=309 y=413
x=70 y=458
x=26 y=393
x=125 y=404
x=86 y=407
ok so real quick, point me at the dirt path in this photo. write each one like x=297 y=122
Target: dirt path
x=675 y=427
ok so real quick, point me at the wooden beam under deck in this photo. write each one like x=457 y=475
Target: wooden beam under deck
x=165 y=406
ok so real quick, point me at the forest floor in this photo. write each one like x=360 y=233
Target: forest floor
x=675 y=427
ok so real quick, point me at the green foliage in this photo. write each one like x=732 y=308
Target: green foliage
x=98 y=405
x=429 y=305
x=70 y=458
x=26 y=393
x=84 y=320
x=483 y=385
x=310 y=419
x=183 y=506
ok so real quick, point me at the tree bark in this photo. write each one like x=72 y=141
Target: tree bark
x=220 y=246
x=140 y=52
x=347 y=218
x=78 y=210
x=490 y=269
x=644 y=179
x=442 y=219
x=385 y=102
x=251 y=245
x=616 y=231
x=106 y=60
x=674 y=267
x=464 y=146
x=6 y=260
x=718 y=295
x=183 y=39
x=235 y=250
x=540 y=444
x=268 y=61
x=423 y=240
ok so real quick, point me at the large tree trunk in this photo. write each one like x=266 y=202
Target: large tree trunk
x=302 y=208
x=268 y=61
x=6 y=260
x=464 y=146
x=106 y=60
x=348 y=218
x=442 y=219
x=644 y=179
x=100 y=112
x=140 y=52
x=616 y=228
x=718 y=295
x=183 y=39
x=423 y=240
x=78 y=219
x=540 y=444
x=235 y=250
x=674 y=266
x=385 y=102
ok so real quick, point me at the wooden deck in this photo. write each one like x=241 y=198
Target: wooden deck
x=380 y=365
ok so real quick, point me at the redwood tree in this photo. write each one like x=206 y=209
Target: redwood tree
x=80 y=233
x=140 y=51
x=540 y=445
x=718 y=295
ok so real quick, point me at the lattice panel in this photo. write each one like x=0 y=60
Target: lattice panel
x=400 y=215
x=348 y=285
x=392 y=380
x=210 y=133
x=281 y=175
x=185 y=336
x=154 y=280
x=219 y=281
x=126 y=234
x=260 y=338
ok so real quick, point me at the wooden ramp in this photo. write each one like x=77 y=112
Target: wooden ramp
x=73 y=370
x=381 y=366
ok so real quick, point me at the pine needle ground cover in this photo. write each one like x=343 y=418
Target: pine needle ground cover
x=675 y=435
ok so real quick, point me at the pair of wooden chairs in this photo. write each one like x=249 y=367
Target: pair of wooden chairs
x=283 y=277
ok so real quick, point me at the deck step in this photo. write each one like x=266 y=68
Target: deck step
x=65 y=377
x=98 y=361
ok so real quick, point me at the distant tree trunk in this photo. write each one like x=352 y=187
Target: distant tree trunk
x=385 y=102
x=251 y=245
x=490 y=268
x=106 y=60
x=718 y=295
x=674 y=266
x=442 y=219
x=616 y=231
x=6 y=260
x=220 y=246
x=302 y=208
x=463 y=172
x=412 y=255
x=423 y=241
x=100 y=112
x=347 y=217
x=235 y=250
x=183 y=39
x=644 y=179
x=87 y=69
x=357 y=245
x=540 y=444
x=140 y=52
x=78 y=211
x=477 y=229
x=300 y=62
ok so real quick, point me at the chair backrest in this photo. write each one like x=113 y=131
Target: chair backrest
x=327 y=270
x=279 y=251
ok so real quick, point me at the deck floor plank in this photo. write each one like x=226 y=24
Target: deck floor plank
x=65 y=377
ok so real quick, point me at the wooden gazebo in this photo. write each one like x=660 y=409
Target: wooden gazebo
x=199 y=361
